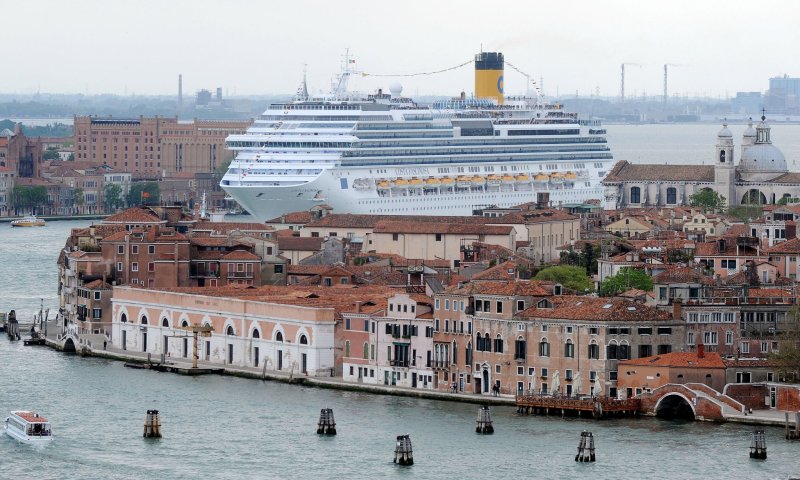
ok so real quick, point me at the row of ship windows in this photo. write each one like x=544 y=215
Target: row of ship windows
x=419 y=198
x=506 y=168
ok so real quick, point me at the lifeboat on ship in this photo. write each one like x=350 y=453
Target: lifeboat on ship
x=448 y=181
x=400 y=183
x=523 y=178
x=541 y=179
x=463 y=181
x=507 y=179
x=416 y=182
x=432 y=182
x=382 y=184
x=493 y=180
x=478 y=181
x=557 y=178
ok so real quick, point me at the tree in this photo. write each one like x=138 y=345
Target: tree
x=80 y=198
x=71 y=157
x=112 y=197
x=586 y=258
x=571 y=277
x=50 y=155
x=626 y=278
x=708 y=200
x=144 y=193
x=29 y=197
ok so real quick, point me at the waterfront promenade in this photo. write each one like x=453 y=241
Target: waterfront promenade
x=92 y=345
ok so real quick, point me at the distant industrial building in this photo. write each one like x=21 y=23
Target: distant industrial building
x=747 y=103
x=783 y=95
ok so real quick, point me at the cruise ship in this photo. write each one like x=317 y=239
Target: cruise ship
x=383 y=153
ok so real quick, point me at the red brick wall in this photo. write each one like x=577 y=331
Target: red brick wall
x=750 y=395
x=788 y=398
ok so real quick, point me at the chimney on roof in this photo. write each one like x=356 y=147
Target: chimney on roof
x=677 y=309
x=701 y=351
x=358 y=307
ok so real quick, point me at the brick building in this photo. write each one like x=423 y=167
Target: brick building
x=155 y=147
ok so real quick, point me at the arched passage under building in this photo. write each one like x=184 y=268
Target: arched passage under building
x=674 y=406
x=69 y=346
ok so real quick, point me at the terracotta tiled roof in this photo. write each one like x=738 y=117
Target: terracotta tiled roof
x=679 y=359
x=624 y=171
x=97 y=285
x=312 y=244
x=680 y=275
x=223 y=228
x=505 y=271
x=791 y=177
x=306 y=269
x=750 y=363
x=411 y=227
x=241 y=255
x=341 y=298
x=293 y=218
x=534 y=288
x=596 y=309
x=788 y=247
x=133 y=215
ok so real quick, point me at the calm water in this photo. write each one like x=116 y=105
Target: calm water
x=219 y=427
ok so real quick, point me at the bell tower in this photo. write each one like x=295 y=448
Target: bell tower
x=724 y=169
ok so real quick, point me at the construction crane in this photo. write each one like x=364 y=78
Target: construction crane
x=203 y=330
x=666 y=65
x=622 y=82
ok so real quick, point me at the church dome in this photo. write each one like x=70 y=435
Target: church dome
x=749 y=132
x=725 y=132
x=763 y=157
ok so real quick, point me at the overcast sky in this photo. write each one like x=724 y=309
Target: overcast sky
x=260 y=47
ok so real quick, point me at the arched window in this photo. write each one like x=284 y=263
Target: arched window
x=519 y=348
x=636 y=195
x=469 y=353
x=722 y=156
x=754 y=197
x=455 y=352
x=498 y=344
x=594 y=351
x=123 y=318
x=487 y=343
x=164 y=322
x=624 y=352
x=478 y=341
x=569 y=349
x=184 y=323
x=346 y=345
x=366 y=351
x=256 y=333
x=279 y=338
x=544 y=348
x=303 y=340
x=612 y=350
x=144 y=320
x=229 y=331
x=672 y=195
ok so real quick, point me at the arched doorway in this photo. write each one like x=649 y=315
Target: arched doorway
x=485 y=381
x=69 y=346
x=674 y=406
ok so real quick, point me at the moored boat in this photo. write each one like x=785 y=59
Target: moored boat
x=28 y=427
x=29 y=221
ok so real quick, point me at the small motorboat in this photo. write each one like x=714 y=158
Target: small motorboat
x=29 y=221
x=28 y=427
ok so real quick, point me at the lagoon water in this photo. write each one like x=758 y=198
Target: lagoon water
x=221 y=427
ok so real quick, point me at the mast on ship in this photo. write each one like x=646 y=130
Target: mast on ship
x=339 y=87
x=302 y=90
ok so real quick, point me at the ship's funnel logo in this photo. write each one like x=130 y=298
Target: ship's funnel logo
x=500 y=84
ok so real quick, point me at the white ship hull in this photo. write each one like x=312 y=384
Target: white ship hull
x=270 y=202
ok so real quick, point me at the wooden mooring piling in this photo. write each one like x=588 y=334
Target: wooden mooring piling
x=403 y=454
x=326 y=424
x=793 y=434
x=585 y=448
x=758 y=445
x=484 y=421
x=152 y=425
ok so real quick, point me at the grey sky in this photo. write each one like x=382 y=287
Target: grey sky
x=248 y=46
